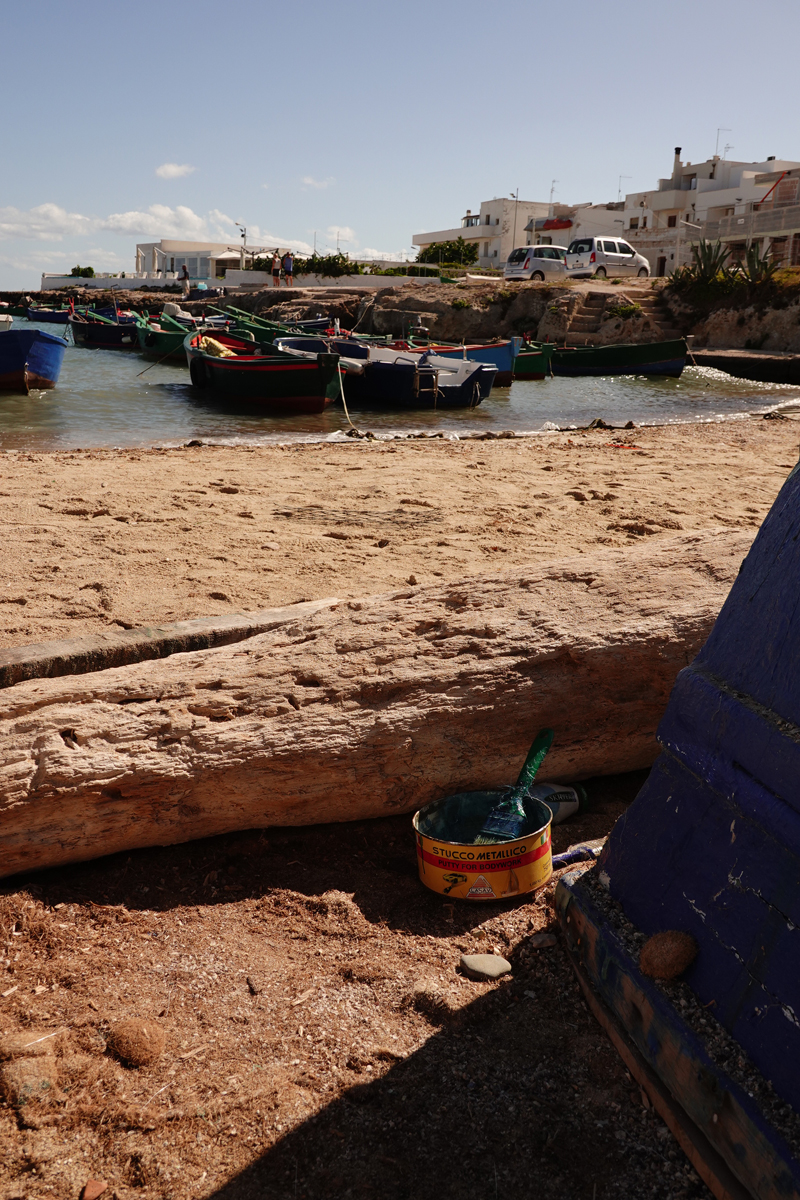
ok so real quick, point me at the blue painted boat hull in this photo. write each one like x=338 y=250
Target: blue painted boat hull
x=49 y=316
x=711 y=845
x=498 y=354
x=30 y=359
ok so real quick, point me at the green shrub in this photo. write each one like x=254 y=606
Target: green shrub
x=83 y=272
x=625 y=311
x=458 y=303
x=457 y=252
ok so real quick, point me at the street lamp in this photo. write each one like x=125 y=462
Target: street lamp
x=515 y=198
x=243 y=251
x=619 y=186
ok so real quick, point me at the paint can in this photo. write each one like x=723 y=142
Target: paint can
x=450 y=863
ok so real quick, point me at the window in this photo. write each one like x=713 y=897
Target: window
x=516 y=256
x=634 y=223
x=644 y=222
x=581 y=246
x=610 y=247
x=672 y=222
x=624 y=248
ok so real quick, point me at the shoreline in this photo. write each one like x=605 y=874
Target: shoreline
x=115 y=539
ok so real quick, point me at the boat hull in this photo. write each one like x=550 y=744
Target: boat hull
x=161 y=344
x=533 y=362
x=48 y=316
x=649 y=358
x=497 y=354
x=95 y=335
x=30 y=359
x=276 y=384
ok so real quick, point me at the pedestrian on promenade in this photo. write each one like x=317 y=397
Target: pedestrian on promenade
x=185 y=284
x=276 y=269
x=288 y=268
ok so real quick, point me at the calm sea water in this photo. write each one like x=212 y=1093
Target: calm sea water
x=102 y=399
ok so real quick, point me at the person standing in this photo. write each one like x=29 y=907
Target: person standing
x=185 y=284
x=276 y=269
x=288 y=268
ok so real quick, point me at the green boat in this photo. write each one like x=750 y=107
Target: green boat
x=645 y=358
x=533 y=360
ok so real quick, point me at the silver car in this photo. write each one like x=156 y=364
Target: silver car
x=604 y=256
x=535 y=262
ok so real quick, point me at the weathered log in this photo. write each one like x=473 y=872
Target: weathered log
x=361 y=709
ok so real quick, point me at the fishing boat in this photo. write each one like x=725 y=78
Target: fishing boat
x=238 y=369
x=94 y=332
x=30 y=359
x=645 y=358
x=48 y=316
x=500 y=354
x=162 y=338
x=533 y=360
x=380 y=377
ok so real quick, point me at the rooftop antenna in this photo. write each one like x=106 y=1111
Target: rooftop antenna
x=619 y=186
x=515 y=198
x=722 y=129
x=552 y=189
x=725 y=151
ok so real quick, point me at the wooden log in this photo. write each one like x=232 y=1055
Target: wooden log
x=361 y=708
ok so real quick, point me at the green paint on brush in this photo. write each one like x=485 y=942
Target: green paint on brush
x=507 y=819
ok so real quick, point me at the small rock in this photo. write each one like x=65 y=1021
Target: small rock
x=543 y=941
x=93 y=1188
x=484 y=966
x=137 y=1042
x=667 y=955
x=229 y=491
x=411 y=579
x=270 y=546
x=28 y=1079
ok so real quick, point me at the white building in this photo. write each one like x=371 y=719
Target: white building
x=203 y=260
x=496 y=229
x=692 y=202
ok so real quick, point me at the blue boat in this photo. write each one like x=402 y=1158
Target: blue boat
x=710 y=848
x=29 y=359
x=49 y=316
x=379 y=377
x=495 y=354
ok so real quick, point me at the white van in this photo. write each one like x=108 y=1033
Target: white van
x=535 y=262
x=604 y=256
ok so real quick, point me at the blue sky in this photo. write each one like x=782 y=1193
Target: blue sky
x=128 y=123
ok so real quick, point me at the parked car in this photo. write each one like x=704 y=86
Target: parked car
x=603 y=256
x=535 y=262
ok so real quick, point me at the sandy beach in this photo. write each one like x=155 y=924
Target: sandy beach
x=114 y=539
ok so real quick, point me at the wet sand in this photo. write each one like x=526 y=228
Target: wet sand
x=113 y=539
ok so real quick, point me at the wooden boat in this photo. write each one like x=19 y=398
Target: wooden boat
x=380 y=377
x=29 y=359
x=162 y=338
x=48 y=316
x=94 y=332
x=263 y=376
x=645 y=358
x=711 y=847
x=498 y=354
x=533 y=360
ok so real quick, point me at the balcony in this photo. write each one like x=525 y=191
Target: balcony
x=756 y=224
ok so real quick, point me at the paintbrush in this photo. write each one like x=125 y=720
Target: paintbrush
x=507 y=819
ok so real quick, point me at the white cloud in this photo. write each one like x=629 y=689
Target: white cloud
x=46 y=222
x=310 y=182
x=173 y=170
x=343 y=232
x=160 y=221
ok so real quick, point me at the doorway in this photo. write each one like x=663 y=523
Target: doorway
x=661 y=269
